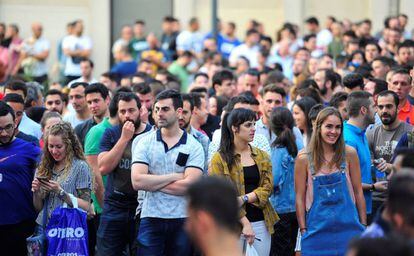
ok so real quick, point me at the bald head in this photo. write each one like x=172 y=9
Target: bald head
x=37 y=29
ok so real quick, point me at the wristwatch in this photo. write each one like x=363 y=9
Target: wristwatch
x=61 y=193
x=245 y=199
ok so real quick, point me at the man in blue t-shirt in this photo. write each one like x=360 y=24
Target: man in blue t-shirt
x=18 y=160
x=361 y=110
x=117 y=227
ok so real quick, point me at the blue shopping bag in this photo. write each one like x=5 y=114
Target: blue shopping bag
x=67 y=231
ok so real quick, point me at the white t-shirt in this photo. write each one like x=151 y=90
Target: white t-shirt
x=73 y=119
x=251 y=53
x=190 y=41
x=82 y=80
x=30 y=127
x=72 y=42
x=34 y=47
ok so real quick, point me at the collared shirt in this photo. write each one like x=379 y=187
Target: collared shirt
x=161 y=160
x=406 y=113
x=204 y=141
x=82 y=129
x=356 y=138
x=219 y=167
x=30 y=127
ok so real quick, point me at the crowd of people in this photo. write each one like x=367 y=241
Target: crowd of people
x=309 y=139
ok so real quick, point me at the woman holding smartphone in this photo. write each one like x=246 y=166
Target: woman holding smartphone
x=330 y=205
x=62 y=170
x=249 y=168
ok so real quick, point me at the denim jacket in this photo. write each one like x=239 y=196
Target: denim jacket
x=283 y=196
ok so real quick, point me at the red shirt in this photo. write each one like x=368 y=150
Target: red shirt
x=406 y=113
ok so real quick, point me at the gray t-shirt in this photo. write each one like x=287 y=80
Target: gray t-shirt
x=78 y=177
x=153 y=151
x=382 y=144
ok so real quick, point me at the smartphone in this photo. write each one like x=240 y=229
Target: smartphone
x=43 y=179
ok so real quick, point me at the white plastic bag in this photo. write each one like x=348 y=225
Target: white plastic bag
x=250 y=251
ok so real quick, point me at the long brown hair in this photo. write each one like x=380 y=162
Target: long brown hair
x=315 y=148
x=73 y=149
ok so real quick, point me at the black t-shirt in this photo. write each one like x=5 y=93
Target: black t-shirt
x=82 y=129
x=212 y=124
x=251 y=182
x=119 y=191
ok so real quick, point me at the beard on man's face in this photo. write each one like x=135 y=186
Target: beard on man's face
x=137 y=123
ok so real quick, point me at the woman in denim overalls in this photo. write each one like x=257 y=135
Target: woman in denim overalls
x=329 y=200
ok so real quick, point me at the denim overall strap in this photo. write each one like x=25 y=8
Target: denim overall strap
x=332 y=221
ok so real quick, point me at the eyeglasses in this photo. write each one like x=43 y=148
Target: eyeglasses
x=8 y=128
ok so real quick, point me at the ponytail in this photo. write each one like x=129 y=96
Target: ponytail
x=282 y=124
x=226 y=148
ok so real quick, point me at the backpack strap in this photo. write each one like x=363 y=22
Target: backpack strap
x=410 y=139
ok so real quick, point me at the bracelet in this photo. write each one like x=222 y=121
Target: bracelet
x=373 y=187
x=245 y=199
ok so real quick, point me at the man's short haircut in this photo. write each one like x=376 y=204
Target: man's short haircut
x=220 y=202
x=221 y=76
x=390 y=93
x=350 y=33
x=97 y=88
x=403 y=71
x=141 y=88
x=113 y=105
x=380 y=85
x=111 y=76
x=196 y=99
x=34 y=90
x=168 y=19
x=253 y=72
x=88 y=60
x=199 y=90
x=251 y=32
x=200 y=74
x=357 y=100
x=140 y=22
x=128 y=97
x=54 y=92
x=314 y=111
x=337 y=99
x=405 y=44
x=77 y=84
x=273 y=88
x=312 y=20
x=372 y=42
x=353 y=80
x=401 y=195
x=173 y=95
x=5 y=109
x=252 y=99
x=385 y=61
x=310 y=92
x=13 y=97
x=235 y=100
x=17 y=85
x=189 y=98
x=187 y=54
x=365 y=70
x=308 y=37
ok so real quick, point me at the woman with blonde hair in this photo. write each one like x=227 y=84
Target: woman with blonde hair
x=330 y=204
x=62 y=171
